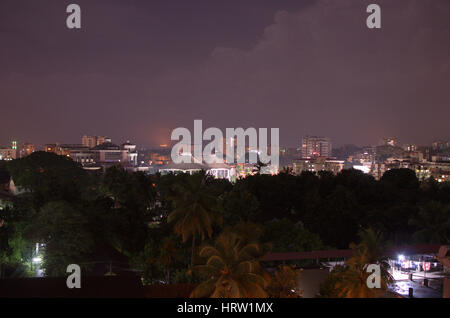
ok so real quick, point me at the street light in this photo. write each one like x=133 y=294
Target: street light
x=37 y=259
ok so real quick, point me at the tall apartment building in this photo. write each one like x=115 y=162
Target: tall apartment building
x=439 y=145
x=315 y=146
x=92 y=141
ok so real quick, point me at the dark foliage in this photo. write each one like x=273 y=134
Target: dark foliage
x=75 y=212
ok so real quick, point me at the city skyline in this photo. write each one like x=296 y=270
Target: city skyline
x=142 y=69
x=122 y=140
x=380 y=142
x=196 y=149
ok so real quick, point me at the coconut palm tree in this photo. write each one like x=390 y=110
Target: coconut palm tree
x=169 y=255
x=432 y=223
x=285 y=283
x=258 y=166
x=195 y=210
x=231 y=269
x=350 y=280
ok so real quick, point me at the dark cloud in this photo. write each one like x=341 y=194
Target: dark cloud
x=139 y=69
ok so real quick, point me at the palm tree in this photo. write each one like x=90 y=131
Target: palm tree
x=285 y=283
x=350 y=280
x=433 y=223
x=231 y=270
x=258 y=166
x=195 y=210
x=169 y=254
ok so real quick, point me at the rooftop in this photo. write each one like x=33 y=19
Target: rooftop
x=106 y=146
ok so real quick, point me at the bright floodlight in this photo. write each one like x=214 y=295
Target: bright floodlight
x=37 y=260
x=401 y=257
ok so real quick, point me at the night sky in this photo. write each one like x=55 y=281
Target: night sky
x=138 y=69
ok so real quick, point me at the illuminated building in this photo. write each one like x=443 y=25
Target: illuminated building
x=441 y=157
x=27 y=149
x=314 y=146
x=131 y=153
x=8 y=154
x=217 y=170
x=318 y=164
x=157 y=158
x=92 y=141
x=410 y=147
x=439 y=145
x=389 y=141
x=50 y=148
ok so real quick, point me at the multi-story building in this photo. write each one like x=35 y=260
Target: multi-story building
x=440 y=171
x=315 y=146
x=102 y=139
x=415 y=156
x=103 y=155
x=92 y=141
x=77 y=152
x=441 y=157
x=89 y=141
x=131 y=153
x=26 y=149
x=439 y=145
x=318 y=164
x=217 y=170
x=8 y=153
x=107 y=154
x=159 y=157
x=379 y=168
x=410 y=147
x=63 y=149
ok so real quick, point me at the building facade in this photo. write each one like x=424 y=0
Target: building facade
x=100 y=156
x=8 y=154
x=318 y=164
x=93 y=141
x=27 y=149
x=315 y=146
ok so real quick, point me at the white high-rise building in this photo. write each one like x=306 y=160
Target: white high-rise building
x=316 y=146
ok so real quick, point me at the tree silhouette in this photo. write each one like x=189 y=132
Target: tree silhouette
x=231 y=270
x=432 y=223
x=195 y=210
x=350 y=280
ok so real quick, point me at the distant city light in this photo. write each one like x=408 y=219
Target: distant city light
x=401 y=257
x=365 y=169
